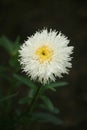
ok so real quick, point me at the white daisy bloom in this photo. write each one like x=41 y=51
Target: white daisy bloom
x=45 y=56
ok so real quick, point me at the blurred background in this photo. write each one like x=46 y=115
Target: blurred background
x=23 y=18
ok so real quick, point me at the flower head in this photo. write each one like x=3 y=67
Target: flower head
x=45 y=56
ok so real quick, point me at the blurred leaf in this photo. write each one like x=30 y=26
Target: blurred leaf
x=24 y=100
x=49 y=105
x=8 y=97
x=54 y=85
x=11 y=47
x=55 y=110
x=28 y=99
x=16 y=46
x=46 y=118
x=13 y=62
x=7 y=44
x=17 y=40
x=24 y=80
x=32 y=92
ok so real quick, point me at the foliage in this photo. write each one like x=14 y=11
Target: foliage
x=33 y=98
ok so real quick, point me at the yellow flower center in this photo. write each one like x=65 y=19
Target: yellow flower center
x=44 y=53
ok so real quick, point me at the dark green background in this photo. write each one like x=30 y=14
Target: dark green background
x=24 y=17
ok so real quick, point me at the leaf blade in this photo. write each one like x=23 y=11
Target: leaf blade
x=48 y=104
x=55 y=85
x=8 y=97
x=46 y=118
x=24 y=80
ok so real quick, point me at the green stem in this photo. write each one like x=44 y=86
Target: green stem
x=32 y=106
x=35 y=98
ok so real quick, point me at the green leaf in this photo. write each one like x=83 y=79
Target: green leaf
x=24 y=100
x=17 y=40
x=7 y=44
x=16 y=46
x=24 y=80
x=29 y=98
x=48 y=104
x=54 y=85
x=11 y=47
x=55 y=110
x=46 y=118
x=8 y=97
x=32 y=92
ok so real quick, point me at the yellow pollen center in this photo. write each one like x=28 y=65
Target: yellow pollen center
x=44 y=53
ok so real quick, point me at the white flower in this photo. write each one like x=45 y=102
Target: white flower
x=45 y=56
